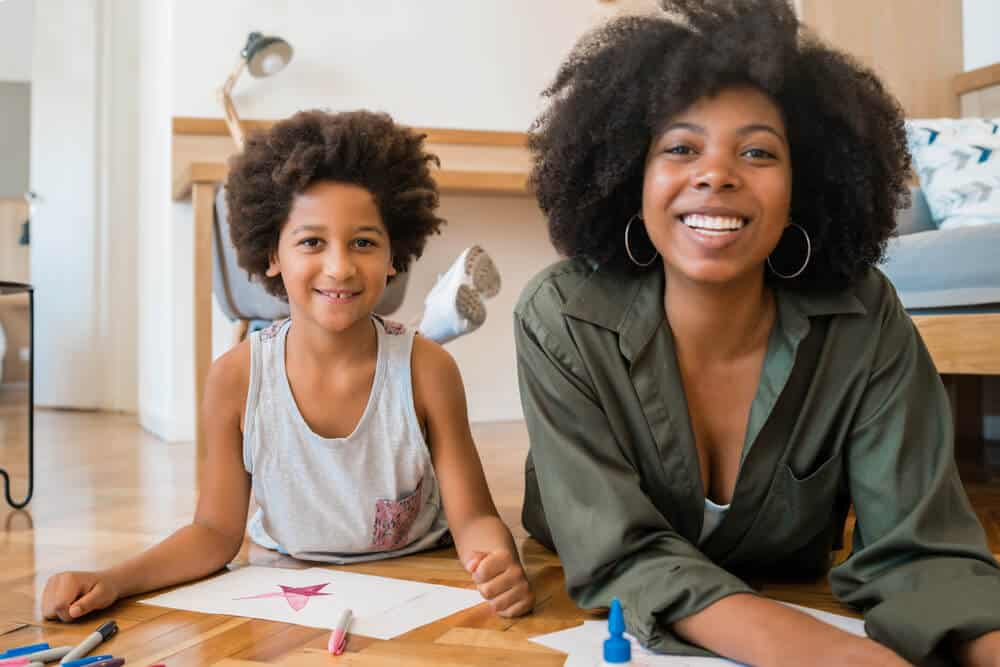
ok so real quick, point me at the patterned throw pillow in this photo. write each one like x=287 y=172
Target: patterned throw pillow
x=958 y=163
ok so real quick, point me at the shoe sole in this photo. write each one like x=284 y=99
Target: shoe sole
x=480 y=268
x=469 y=305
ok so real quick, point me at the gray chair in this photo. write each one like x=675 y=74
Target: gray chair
x=939 y=271
x=949 y=282
x=245 y=301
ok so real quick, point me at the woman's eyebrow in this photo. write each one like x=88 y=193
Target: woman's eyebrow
x=743 y=131
x=759 y=127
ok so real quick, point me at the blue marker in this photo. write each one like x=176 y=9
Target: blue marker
x=22 y=650
x=617 y=650
x=86 y=661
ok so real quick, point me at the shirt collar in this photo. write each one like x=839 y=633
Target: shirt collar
x=632 y=305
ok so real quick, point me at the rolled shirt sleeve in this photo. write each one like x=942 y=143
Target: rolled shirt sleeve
x=920 y=565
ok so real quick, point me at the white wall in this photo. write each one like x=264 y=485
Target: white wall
x=980 y=21
x=16 y=20
x=64 y=232
x=158 y=312
x=439 y=63
x=83 y=231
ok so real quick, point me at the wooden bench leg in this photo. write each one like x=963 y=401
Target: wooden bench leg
x=966 y=395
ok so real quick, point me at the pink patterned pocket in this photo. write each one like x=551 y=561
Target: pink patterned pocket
x=393 y=520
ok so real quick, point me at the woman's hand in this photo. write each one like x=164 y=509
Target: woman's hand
x=70 y=595
x=502 y=582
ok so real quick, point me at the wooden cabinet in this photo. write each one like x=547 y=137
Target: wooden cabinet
x=915 y=46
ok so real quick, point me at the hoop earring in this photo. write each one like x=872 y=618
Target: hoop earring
x=804 y=264
x=628 y=249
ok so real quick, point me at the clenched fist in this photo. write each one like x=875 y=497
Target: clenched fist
x=502 y=582
x=70 y=595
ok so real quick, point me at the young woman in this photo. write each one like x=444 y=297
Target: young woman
x=720 y=370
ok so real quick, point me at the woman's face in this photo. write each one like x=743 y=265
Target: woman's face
x=717 y=187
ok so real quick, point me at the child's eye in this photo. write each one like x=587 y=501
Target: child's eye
x=311 y=242
x=679 y=150
x=364 y=243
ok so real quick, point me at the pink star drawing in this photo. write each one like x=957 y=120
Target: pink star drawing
x=296 y=596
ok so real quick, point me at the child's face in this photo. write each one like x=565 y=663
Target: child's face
x=333 y=255
x=718 y=187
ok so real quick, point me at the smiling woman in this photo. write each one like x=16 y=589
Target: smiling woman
x=719 y=372
x=717 y=186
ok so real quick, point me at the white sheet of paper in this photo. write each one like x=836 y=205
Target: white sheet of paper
x=585 y=643
x=383 y=608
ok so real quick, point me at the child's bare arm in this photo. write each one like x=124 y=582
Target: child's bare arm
x=210 y=540
x=484 y=543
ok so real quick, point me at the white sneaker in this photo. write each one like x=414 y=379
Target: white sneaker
x=480 y=270
x=454 y=306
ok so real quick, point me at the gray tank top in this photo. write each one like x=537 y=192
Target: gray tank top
x=368 y=496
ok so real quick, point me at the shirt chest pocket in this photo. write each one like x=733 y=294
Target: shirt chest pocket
x=394 y=519
x=795 y=511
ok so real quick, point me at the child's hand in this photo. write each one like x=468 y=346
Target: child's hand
x=70 y=595
x=501 y=581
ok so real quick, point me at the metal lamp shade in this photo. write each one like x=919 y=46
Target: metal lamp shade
x=266 y=55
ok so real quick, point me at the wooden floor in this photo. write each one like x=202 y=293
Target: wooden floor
x=105 y=489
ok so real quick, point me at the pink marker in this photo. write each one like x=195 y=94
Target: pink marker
x=338 y=638
x=15 y=662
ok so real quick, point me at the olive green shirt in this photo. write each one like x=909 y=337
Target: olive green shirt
x=613 y=482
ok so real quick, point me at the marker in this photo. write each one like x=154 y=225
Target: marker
x=617 y=650
x=114 y=662
x=87 y=661
x=23 y=650
x=91 y=641
x=47 y=655
x=338 y=638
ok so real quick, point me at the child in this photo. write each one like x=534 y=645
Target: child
x=350 y=430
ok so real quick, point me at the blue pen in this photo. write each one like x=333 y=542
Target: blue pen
x=23 y=650
x=86 y=661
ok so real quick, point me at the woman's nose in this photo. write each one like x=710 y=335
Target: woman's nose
x=715 y=176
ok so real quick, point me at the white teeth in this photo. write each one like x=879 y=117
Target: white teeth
x=711 y=222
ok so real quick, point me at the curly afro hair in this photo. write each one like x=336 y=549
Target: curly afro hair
x=623 y=80
x=358 y=147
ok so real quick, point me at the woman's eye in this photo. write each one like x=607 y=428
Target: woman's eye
x=679 y=150
x=759 y=153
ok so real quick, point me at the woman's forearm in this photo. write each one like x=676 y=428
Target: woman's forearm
x=757 y=631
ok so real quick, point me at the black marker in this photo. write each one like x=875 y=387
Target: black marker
x=92 y=641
